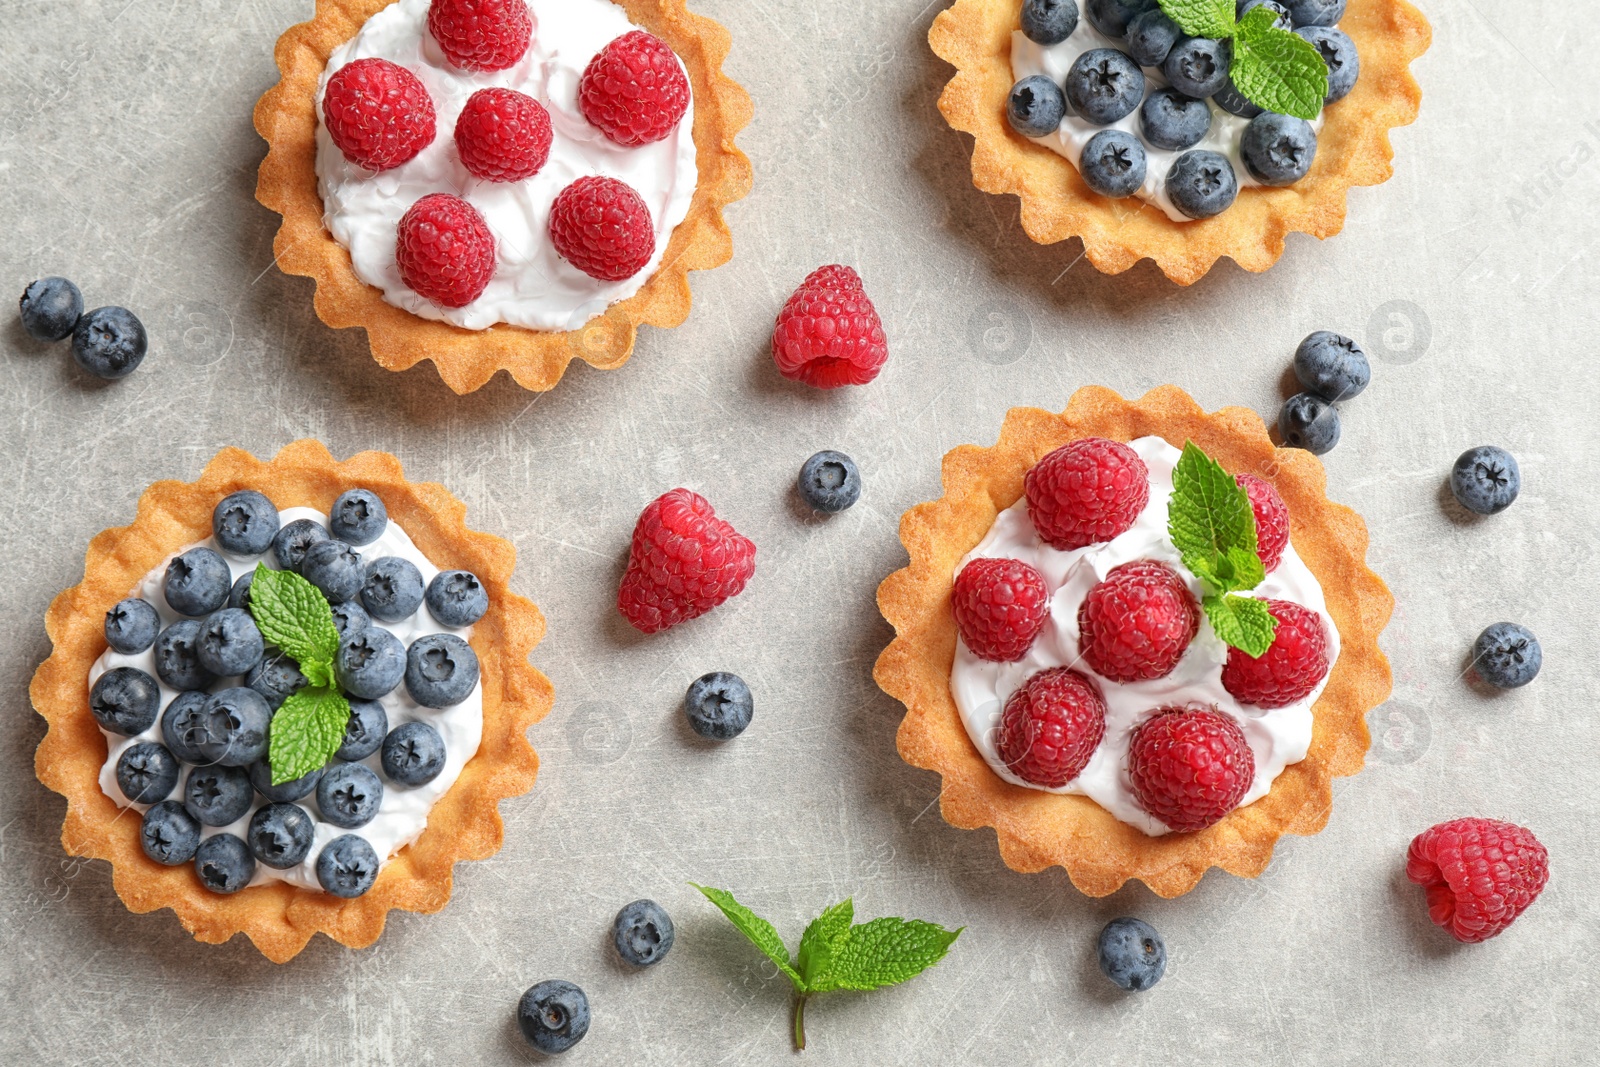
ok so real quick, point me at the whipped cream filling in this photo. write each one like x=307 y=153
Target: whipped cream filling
x=1277 y=736
x=532 y=285
x=1054 y=61
x=403 y=814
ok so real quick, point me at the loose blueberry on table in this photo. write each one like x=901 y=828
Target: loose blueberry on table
x=643 y=933
x=1486 y=479
x=1132 y=954
x=1507 y=656
x=718 y=706
x=553 y=1016
x=830 y=482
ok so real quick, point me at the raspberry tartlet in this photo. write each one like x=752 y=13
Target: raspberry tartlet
x=1176 y=710
x=290 y=697
x=499 y=184
x=1111 y=125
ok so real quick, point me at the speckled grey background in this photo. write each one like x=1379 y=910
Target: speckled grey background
x=127 y=161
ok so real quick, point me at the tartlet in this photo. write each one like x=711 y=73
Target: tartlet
x=464 y=824
x=1037 y=829
x=466 y=359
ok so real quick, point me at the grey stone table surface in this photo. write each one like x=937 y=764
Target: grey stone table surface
x=127 y=161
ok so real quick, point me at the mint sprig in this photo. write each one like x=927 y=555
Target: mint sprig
x=838 y=953
x=1274 y=68
x=1202 y=18
x=1213 y=527
x=308 y=729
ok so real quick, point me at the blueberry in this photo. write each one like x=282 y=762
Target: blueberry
x=553 y=1016
x=1315 y=12
x=348 y=795
x=217 y=796
x=1198 y=66
x=1280 y=13
x=183 y=726
x=1112 y=17
x=349 y=618
x=719 y=706
x=413 y=754
x=1201 y=184
x=457 y=598
x=1231 y=100
x=1132 y=954
x=292 y=541
x=230 y=644
x=370 y=663
x=125 y=701
x=1339 y=53
x=358 y=517
x=1036 y=106
x=1278 y=149
x=1151 y=38
x=245 y=523
x=197 y=582
x=283 y=792
x=169 y=834
x=392 y=589
x=280 y=835
x=237 y=721
x=1486 y=479
x=1104 y=85
x=224 y=863
x=336 y=569
x=51 y=307
x=109 y=342
x=1507 y=656
x=147 y=773
x=178 y=657
x=132 y=625
x=239 y=595
x=1173 y=121
x=365 y=731
x=829 y=482
x=441 y=670
x=643 y=933
x=276 y=678
x=1049 y=22
x=347 y=866
x=1307 y=421
x=1113 y=163
x=1332 y=366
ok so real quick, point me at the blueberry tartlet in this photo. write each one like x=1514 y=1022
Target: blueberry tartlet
x=289 y=697
x=502 y=184
x=1136 y=639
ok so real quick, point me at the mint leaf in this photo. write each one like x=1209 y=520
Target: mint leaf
x=822 y=941
x=1241 y=621
x=1202 y=18
x=294 y=615
x=306 y=732
x=1276 y=69
x=885 y=952
x=1208 y=515
x=758 y=930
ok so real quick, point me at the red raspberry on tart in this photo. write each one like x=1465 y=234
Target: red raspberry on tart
x=1051 y=727
x=634 y=91
x=1478 y=875
x=828 y=333
x=1272 y=519
x=481 y=35
x=1085 y=492
x=1289 y=670
x=1001 y=605
x=1137 y=623
x=684 y=561
x=602 y=227
x=445 y=250
x=503 y=135
x=1190 y=766
x=378 y=113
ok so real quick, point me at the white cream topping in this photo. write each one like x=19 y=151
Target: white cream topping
x=403 y=814
x=532 y=285
x=1277 y=736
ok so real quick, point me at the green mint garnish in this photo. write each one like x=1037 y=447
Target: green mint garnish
x=1213 y=527
x=1274 y=68
x=838 y=953
x=308 y=729
x=1202 y=18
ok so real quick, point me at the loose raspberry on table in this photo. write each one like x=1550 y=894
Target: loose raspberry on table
x=1051 y=727
x=1272 y=519
x=828 y=333
x=1085 y=492
x=1189 y=766
x=503 y=135
x=1290 y=669
x=445 y=250
x=634 y=91
x=684 y=562
x=1478 y=875
x=481 y=35
x=602 y=227
x=1137 y=623
x=378 y=113
x=1000 y=606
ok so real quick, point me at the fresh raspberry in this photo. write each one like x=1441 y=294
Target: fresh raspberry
x=1136 y=624
x=1189 y=766
x=829 y=334
x=1000 y=606
x=1051 y=727
x=503 y=135
x=1290 y=669
x=602 y=227
x=481 y=35
x=445 y=250
x=1272 y=519
x=634 y=91
x=1478 y=875
x=379 y=114
x=1085 y=492
x=684 y=562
